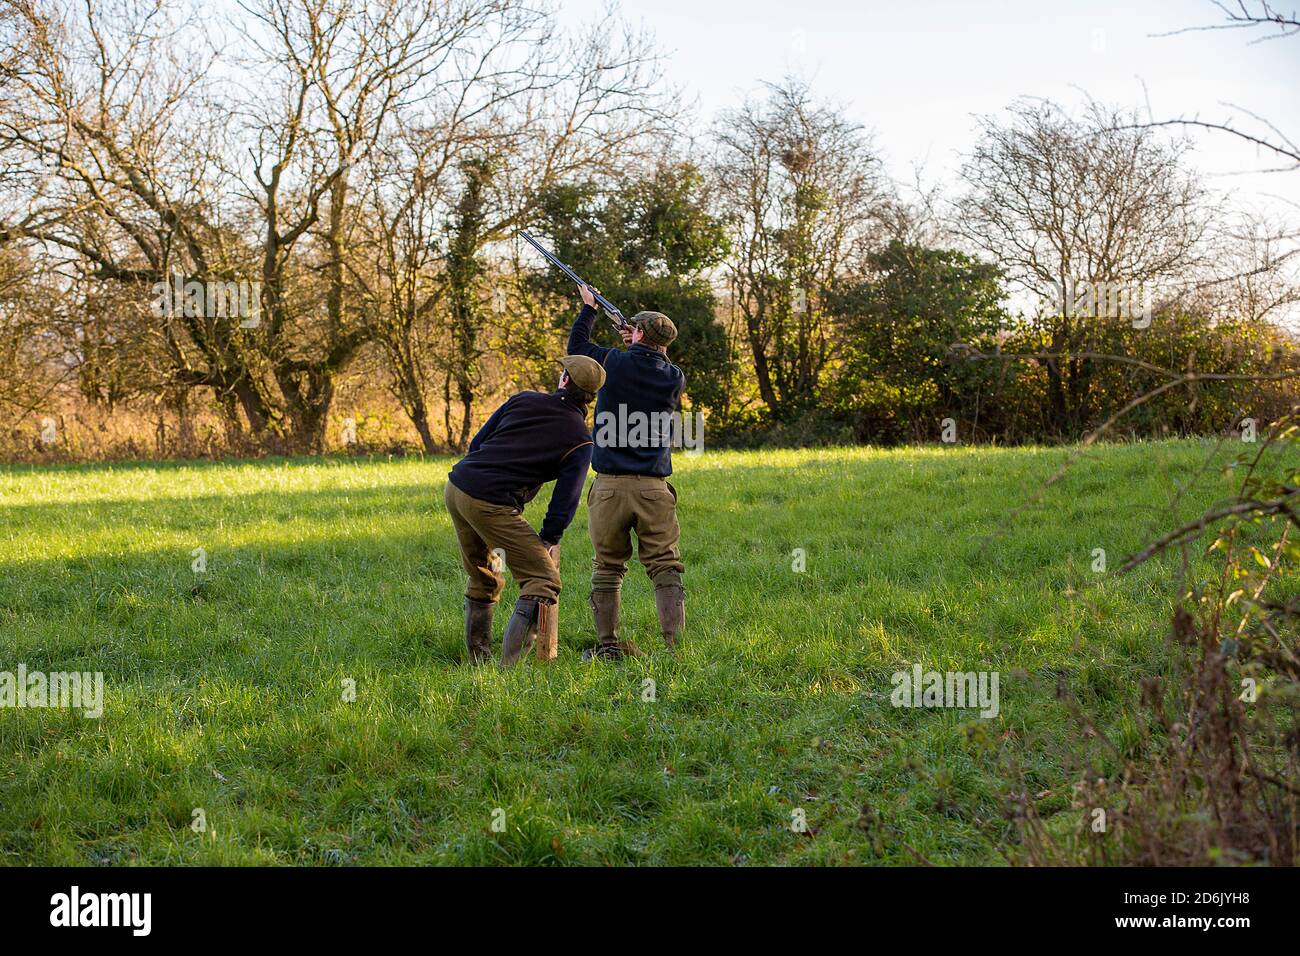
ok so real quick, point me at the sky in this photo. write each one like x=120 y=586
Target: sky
x=918 y=74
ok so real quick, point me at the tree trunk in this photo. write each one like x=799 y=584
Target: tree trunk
x=753 y=329
x=467 y=407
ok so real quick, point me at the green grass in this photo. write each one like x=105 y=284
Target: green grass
x=226 y=693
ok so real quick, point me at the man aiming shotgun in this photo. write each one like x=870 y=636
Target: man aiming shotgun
x=532 y=439
x=631 y=493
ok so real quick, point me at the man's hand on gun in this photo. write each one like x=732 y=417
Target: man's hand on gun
x=588 y=293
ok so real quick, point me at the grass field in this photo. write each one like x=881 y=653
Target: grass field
x=225 y=691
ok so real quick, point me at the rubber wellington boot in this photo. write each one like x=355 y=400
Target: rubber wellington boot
x=478 y=630
x=521 y=631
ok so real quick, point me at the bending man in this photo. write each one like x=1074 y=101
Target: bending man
x=532 y=439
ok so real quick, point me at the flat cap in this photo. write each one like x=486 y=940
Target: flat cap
x=656 y=328
x=584 y=371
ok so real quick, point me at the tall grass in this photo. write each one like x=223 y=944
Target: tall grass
x=226 y=689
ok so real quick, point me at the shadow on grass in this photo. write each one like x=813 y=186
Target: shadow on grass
x=330 y=505
x=208 y=464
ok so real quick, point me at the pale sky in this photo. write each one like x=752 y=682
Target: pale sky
x=916 y=73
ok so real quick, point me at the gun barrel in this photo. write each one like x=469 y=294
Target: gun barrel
x=610 y=308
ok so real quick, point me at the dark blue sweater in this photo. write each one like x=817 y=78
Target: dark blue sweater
x=532 y=439
x=639 y=380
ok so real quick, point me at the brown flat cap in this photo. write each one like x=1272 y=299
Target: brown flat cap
x=657 y=328
x=585 y=372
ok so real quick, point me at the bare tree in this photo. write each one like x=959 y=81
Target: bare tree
x=103 y=109
x=341 y=73
x=1266 y=22
x=804 y=195
x=1252 y=272
x=107 y=118
x=532 y=108
x=1061 y=203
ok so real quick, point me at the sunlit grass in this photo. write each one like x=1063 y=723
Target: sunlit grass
x=225 y=691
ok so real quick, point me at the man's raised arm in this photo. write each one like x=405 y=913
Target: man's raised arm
x=580 y=342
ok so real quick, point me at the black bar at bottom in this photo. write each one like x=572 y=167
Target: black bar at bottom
x=334 y=906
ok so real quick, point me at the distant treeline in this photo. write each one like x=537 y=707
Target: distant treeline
x=314 y=245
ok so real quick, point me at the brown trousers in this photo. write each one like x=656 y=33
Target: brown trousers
x=482 y=526
x=618 y=505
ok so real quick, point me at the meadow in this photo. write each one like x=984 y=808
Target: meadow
x=305 y=698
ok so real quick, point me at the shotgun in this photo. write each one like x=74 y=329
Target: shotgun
x=610 y=308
